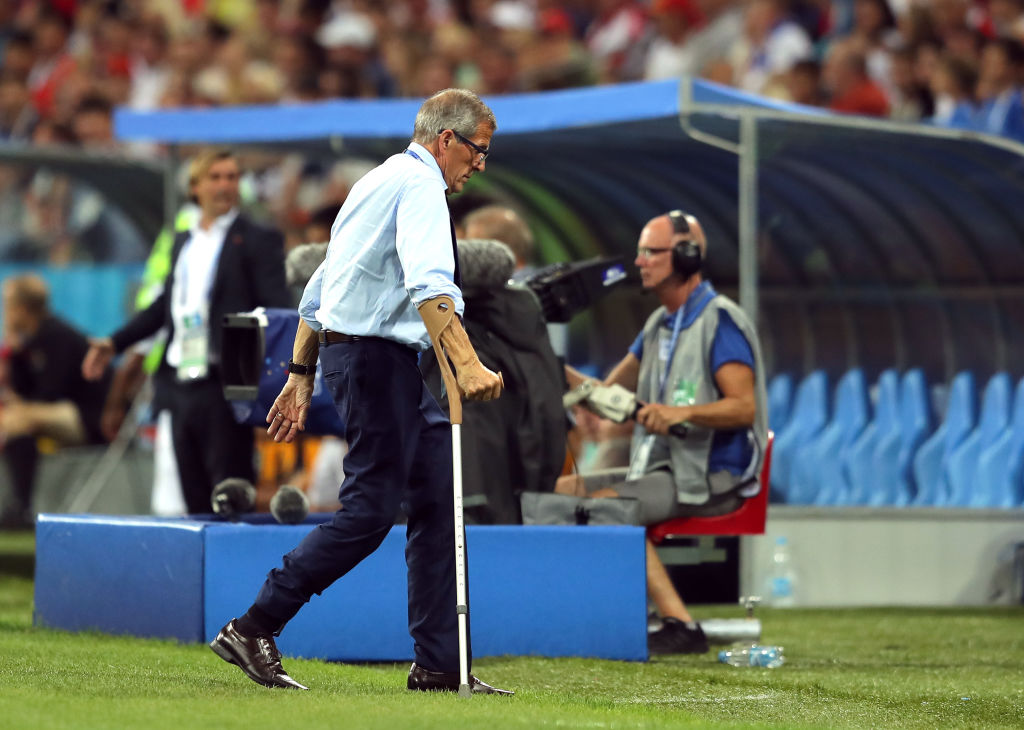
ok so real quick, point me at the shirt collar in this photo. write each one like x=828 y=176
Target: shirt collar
x=692 y=307
x=220 y=224
x=424 y=156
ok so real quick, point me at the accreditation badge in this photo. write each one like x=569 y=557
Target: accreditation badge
x=195 y=347
x=684 y=394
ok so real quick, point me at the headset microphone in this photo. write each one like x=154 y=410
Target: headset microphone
x=687 y=258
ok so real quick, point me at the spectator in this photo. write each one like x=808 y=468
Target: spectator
x=851 y=89
x=803 y=83
x=952 y=86
x=1007 y=18
x=150 y=67
x=556 y=59
x=93 y=123
x=617 y=38
x=670 y=54
x=45 y=394
x=1000 y=109
x=18 y=56
x=772 y=42
x=52 y=65
x=17 y=115
x=910 y=100
x=874 y=35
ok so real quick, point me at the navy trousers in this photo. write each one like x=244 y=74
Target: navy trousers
x=400 y=457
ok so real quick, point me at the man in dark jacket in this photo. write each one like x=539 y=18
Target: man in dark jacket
x=224 y=264
x=45 y=394
x=517 y=443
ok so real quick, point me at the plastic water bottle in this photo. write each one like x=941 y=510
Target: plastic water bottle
x=752 y=655
x=781 y=577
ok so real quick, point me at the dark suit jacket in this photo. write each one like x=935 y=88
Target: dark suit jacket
x=250 y=274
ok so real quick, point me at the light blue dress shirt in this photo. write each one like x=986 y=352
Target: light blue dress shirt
x=390 y=251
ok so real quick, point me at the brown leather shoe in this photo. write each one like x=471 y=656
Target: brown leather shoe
x=257 y=656
x=425 y=680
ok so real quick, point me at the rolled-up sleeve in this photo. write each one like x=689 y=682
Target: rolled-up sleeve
x=310 y=302
x=424 y=243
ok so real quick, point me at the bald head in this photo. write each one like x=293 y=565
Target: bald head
x=676 y=227
x=503 y=224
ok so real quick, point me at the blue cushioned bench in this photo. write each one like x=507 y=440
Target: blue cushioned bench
x=547 y=591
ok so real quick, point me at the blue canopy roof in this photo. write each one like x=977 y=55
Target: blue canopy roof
x=872 y=237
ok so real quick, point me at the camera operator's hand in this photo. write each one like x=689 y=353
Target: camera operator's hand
x=658 y=418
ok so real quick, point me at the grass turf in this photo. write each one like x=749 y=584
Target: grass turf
x=948 y=668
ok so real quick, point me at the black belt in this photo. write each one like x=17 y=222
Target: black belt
x=327 y=337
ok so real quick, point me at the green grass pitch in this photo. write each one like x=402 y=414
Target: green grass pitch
x=883 y=668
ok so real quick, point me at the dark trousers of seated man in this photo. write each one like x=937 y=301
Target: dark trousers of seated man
x=400 y=457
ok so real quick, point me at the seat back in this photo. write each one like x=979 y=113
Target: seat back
x=780 y=400
x=859 y=463
x=931 y=460
x=999 y=478
x=992 y=422
x=808 y=417
x=817 y=474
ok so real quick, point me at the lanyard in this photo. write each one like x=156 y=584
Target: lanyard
x=701 y=295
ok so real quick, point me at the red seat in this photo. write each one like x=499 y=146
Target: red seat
x=749 y=519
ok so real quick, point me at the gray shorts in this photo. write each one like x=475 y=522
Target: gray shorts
x=656 y=492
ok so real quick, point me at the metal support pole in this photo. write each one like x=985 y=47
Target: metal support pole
x=748 y=216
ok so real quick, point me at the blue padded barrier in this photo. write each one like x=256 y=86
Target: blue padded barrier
x=780 y=399
x=999 y=478
x=807 y=419
x=859 y=461
x=895 y=450
x=932 y=458
x=549 y=591
x=817 y=474
x=992 y=423
x=138 y=576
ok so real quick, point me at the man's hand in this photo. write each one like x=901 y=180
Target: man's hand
x=288 y=414
x=477 y=382
x=658 y=418
x=101 y=352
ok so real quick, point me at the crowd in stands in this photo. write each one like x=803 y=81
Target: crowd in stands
x=67 y=63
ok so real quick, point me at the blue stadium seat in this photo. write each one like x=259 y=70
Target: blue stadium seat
x=999 y=478
x=895 y=450
x=817 y=474
x=859 y=462
x=933 y=456
x=808 y=417
x=992 y=422
x=780 y=398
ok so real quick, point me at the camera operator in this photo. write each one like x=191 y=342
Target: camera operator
x=697 y=362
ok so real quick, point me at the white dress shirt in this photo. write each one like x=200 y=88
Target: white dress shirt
x=193 y=278
x=390 y=251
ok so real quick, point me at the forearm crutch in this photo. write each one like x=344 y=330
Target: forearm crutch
x=461 y=594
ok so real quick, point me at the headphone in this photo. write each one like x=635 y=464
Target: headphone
x=687 y=259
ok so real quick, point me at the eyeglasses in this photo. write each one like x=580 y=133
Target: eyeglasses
x=481 y=151
x=646 y=251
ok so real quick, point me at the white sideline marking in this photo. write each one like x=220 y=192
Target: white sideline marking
x=690 y=698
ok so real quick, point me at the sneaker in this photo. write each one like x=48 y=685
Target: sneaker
x=675 y=637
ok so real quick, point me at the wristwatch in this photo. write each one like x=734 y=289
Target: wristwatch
x=294 y=367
